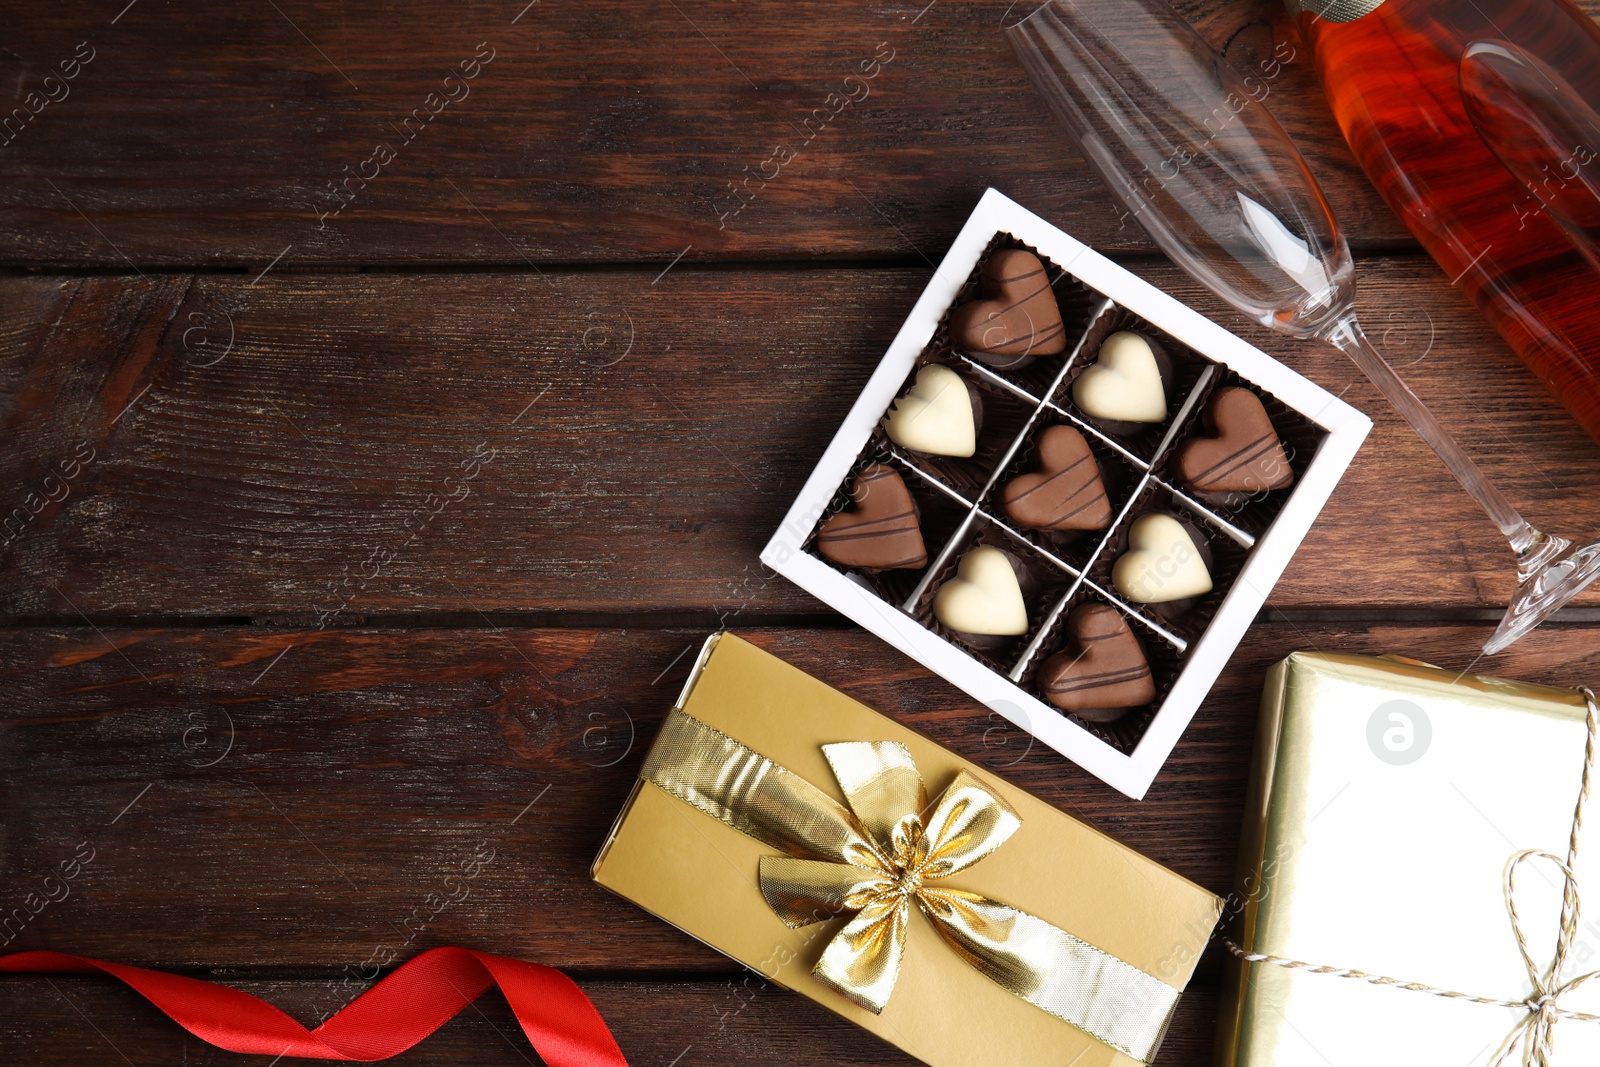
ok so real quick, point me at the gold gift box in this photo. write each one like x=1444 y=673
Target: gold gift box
x=1388 y=798
x=701 y=875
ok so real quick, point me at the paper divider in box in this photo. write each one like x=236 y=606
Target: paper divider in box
x=1180 y=366
x=1130 y=771
x=866 y=413
x=1117 y=480
x=1048 y=624
x=1079 y=576
x=1005 y=458
x=1243 y=538
x=1170 y=315
x=1166 y=665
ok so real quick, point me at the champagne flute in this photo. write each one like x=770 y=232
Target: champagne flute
x=1187 y=149
x=1541 y=130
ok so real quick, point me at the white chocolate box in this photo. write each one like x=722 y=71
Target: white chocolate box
x=1127 y=765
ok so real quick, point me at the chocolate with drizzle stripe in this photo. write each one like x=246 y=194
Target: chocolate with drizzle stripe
x=1241 y=452
x=1246 y=455
x=1065 y=492
x=1017 y=320
x=1104 y=672
x=882 y=532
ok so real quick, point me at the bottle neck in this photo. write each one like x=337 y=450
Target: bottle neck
x=1334 y=10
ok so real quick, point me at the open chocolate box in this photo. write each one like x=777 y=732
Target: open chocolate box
x=1112 y=585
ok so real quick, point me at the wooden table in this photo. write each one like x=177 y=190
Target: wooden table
x=394 y=395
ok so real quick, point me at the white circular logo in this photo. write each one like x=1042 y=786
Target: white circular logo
x=1399 y=732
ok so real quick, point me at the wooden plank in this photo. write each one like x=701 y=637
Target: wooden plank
x=575 y=137
x=265 y=800
x=634 y=441
x=69 y=1022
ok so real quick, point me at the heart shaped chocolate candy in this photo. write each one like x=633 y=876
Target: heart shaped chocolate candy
x=937 y=416
x=1018 y=319
x=882 y=532
x=1240 y=453
x=1066 y=492
x=1161 y=564
x=1124 y=383
x=984 y=597
x=1104 y=672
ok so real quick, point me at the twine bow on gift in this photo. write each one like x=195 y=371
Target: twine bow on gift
x=1542 y=1008
x=885 y=858
x=1533 y=1032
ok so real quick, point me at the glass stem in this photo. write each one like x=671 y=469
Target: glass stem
x=1532 y=547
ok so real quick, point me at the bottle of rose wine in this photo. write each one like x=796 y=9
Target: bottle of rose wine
x=1475 y=120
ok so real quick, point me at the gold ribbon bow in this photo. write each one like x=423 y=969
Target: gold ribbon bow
x=1542 y=1008
x=883 y=859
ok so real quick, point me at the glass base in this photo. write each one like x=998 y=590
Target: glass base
x=1544 y=592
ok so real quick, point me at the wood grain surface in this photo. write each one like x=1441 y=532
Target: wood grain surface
x=730 y=1022
x=228 y=139
x=259 y=806
x=629 y=452
x=592 y=134
x=391 y=398
x=327 y=783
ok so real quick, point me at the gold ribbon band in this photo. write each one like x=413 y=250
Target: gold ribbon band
x=879 y=859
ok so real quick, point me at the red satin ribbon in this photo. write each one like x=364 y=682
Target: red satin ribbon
x=422 y=995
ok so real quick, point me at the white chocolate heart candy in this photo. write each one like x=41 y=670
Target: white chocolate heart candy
x=984 y=596
x=1161 y=564
x=935 y=416
x=1124 y=384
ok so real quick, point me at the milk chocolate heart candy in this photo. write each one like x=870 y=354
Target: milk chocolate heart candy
x=1018 y=320
x=1240 y=453
x=1124 y=383
x=1162 y=563
x=882 y=532
x=984 y=597
x=939 y=415
x=1066 y=492
x=1105 y=673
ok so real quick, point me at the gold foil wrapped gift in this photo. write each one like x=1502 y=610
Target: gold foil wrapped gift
x=845 y=857
x=1404 y=875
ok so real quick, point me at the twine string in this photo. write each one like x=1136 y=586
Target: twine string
x=1542 y=1009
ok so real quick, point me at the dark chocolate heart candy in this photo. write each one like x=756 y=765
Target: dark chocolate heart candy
x=1066 y=492
x=882 y=532
x=1018 y=319
x=1241 y=452
x=1105 y=674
